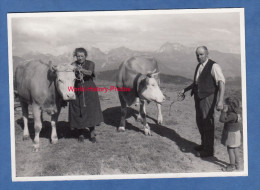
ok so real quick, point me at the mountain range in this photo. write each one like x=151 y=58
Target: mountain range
x=173 y=59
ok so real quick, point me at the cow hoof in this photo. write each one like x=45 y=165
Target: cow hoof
x=139 y=118
x=35 y=149
x=121 y=129
x=147 y=132
x=159 y=122
x=54 y=140
x=25 y=138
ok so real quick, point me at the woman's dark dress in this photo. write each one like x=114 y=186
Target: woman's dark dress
x=81 y=117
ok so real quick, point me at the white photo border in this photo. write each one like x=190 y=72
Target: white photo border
x=130 y=12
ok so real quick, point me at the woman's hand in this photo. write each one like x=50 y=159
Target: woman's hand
x=84 y=71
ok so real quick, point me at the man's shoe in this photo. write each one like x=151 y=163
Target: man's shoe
x=204 y=154
x=198 y=148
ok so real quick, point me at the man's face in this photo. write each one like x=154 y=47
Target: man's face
x=202 y=55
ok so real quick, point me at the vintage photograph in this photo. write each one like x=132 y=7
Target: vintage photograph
x=127 y=94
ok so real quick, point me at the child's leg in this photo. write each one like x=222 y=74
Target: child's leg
x=237 y=160
x=231 y=154
x=231 y=167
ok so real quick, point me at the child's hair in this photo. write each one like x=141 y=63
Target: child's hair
x=233 y=103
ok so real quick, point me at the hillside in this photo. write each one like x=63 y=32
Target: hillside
x=173 y=59
x=110 y=75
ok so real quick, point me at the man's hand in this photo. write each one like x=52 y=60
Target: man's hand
x=219 y=106
x=181 y=95
x=225 y=108
x=221 y=92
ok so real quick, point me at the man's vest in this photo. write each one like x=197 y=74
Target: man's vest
x=206 y=84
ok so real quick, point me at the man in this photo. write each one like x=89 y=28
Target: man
x=208 y=89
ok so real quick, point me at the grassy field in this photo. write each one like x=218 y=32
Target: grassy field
x=168 y=150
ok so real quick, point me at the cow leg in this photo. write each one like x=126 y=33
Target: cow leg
x=24 y=106
x=137 y=102
x=37 y=126
x=147 y=130
x=121 y=127
x=159 y=117
x=54 y=119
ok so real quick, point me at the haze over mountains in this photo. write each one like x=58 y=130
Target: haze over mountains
x=173 y=59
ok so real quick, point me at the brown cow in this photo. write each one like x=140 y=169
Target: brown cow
x=45 y=87
x=140 y=74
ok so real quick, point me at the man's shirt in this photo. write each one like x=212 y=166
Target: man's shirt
x=216 y=72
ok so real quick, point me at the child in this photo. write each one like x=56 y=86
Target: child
x=231 y=136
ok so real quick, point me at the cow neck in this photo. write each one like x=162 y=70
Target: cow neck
x=136 y=84
x=57 y=94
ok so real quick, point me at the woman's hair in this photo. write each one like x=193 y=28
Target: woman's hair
x=233 y=103
x=82 y=50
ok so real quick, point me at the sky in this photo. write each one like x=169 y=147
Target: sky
x=62 y=32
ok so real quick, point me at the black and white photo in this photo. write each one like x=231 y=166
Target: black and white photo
x=127 y=94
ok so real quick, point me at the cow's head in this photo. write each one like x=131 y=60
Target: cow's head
x=149 y=89
x=64 y=80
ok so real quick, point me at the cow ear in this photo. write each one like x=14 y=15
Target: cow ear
x=152 y=74
x=52 y=67
x=149 y=75
x=52 y=71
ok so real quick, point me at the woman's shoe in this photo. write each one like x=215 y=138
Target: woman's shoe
x=93 y=139
x=81 y=138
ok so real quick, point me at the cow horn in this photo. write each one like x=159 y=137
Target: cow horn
x=155 y=73
x=152 y=73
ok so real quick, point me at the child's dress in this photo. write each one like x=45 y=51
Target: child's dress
x=231 y=135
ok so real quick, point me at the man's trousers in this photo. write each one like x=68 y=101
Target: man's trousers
x=205 y=120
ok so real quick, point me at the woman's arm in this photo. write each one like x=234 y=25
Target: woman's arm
x=89 y=71
x=85 y=71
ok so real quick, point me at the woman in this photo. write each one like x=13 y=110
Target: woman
x=85 y=112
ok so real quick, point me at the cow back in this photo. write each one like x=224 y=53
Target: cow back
x=128 y=72
x=34 y=85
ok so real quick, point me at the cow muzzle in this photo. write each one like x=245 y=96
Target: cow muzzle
x=69 y=97
x=160 y=100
